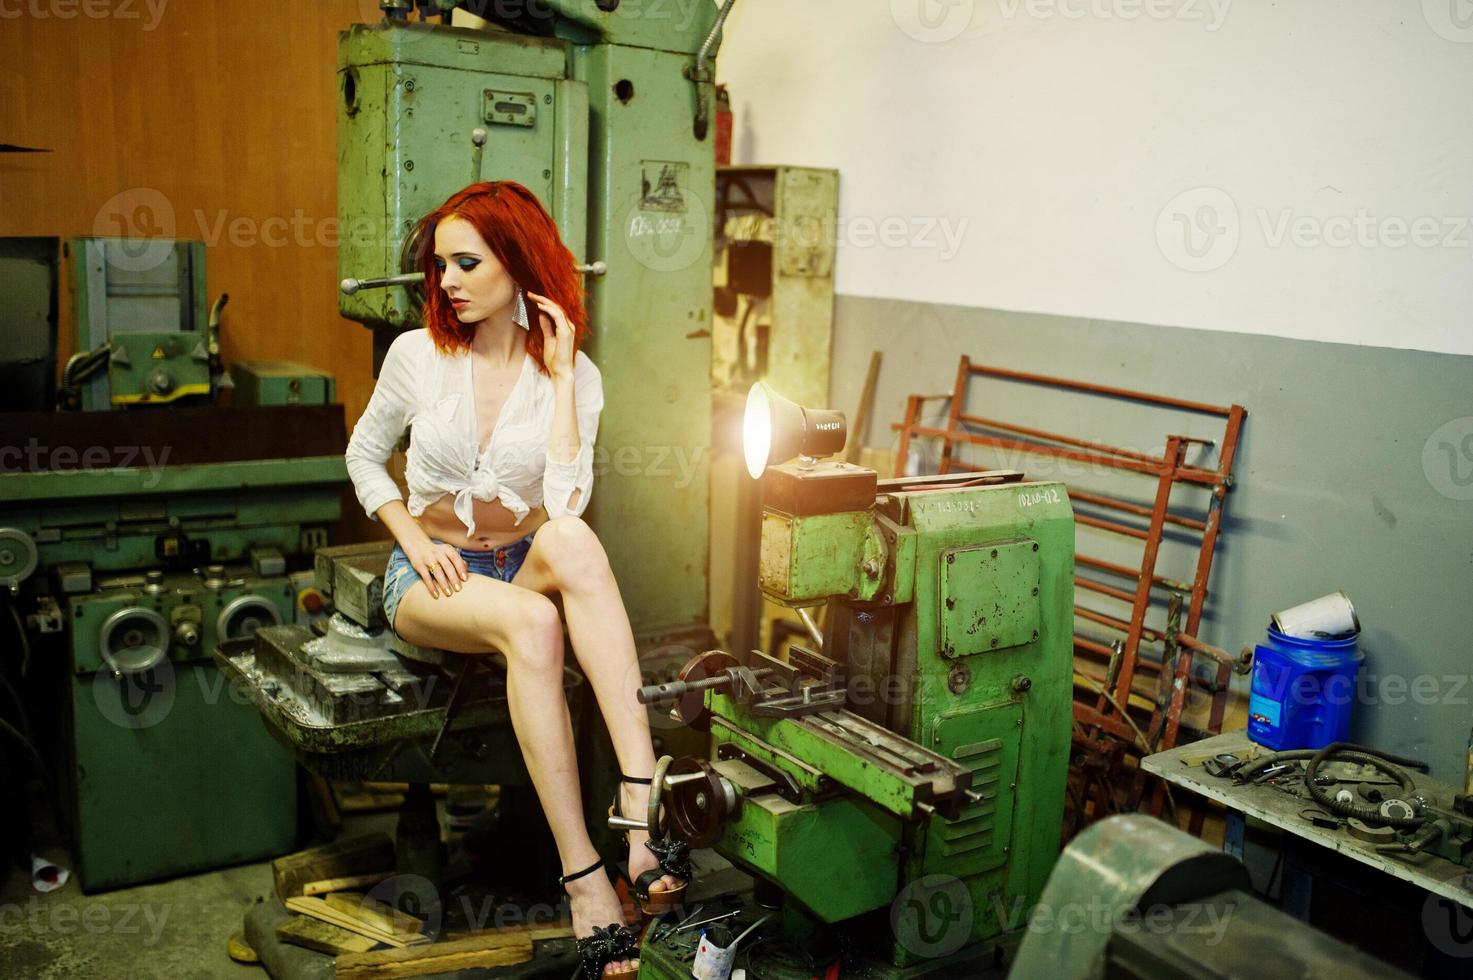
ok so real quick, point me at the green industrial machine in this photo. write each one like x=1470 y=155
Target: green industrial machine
x=135 y=541
x=902 y=784
x=281 y=383
x=143 y=332
x=1133 y=898
x=169 y=771
x=603 y=110
x=140 y=534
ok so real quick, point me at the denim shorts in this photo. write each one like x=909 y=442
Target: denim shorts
x=499 y=563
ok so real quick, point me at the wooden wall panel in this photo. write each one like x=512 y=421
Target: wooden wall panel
x=221 y=112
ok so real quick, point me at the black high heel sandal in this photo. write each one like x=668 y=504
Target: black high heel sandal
x=673 y=856
x=607 y=944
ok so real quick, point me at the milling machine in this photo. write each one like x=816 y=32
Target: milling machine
x=892 y=792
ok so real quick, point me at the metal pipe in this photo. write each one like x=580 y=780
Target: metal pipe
x=1111 y=502
x=814 y=632
x=1161 y=581
x=351 y=286
x=1140 y=396
x=1190 y=474
x=707 y=922
x=699 y=75
x=1104 y=525
x=1103 y=589
x=1054 y=437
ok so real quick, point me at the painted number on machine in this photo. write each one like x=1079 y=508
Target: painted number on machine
x=1048 y=495
x=943 y=506
x=641 y=224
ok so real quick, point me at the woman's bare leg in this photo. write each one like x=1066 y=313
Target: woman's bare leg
x=567 y=558
x=488 y=614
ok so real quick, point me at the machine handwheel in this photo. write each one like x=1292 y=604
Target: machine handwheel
x=701 y=804
x=690 y=710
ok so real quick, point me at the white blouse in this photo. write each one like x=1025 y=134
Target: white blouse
x=432 y=394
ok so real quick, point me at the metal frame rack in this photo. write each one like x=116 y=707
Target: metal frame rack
x=1104 y=730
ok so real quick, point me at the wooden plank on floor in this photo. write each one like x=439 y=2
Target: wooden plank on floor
x=340 y=859
x=504 y=948
x=377 y=915
x=319 y=909
x=324 y=937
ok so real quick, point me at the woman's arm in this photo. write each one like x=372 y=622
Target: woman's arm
x=390 y=409
x=578 y=399
x=568 y=479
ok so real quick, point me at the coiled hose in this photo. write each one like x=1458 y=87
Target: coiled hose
x=1347 y=752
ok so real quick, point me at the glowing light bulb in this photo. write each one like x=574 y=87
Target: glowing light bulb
x=757 y=430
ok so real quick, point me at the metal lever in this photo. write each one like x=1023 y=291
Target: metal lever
x=478 y=148
x=351 y=286
x=674 y=690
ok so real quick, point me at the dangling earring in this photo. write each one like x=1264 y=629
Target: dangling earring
x=519 y=315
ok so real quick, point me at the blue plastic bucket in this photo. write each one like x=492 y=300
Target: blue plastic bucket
x=1302 y=692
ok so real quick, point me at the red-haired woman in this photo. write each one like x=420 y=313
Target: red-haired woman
x=502 y=415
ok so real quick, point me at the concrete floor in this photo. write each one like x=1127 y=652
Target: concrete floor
x=175 y=928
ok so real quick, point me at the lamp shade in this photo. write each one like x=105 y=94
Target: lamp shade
x=775 y=429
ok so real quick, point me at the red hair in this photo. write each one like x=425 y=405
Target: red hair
x=524 y=238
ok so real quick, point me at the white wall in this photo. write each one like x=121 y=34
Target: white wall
x=1301 y=168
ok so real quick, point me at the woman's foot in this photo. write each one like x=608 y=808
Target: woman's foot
x=634 y=802
x=595 y=905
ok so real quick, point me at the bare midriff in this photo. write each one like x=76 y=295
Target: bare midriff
x=496 y=526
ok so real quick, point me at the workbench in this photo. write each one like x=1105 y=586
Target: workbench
x=1279 y=809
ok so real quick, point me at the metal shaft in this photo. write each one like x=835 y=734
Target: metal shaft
x=351 y=286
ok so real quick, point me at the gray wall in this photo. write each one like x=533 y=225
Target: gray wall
x=1333 y=488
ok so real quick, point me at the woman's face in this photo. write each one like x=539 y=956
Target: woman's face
x=474 y=281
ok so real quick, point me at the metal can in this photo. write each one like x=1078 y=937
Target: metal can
x=1329 y=617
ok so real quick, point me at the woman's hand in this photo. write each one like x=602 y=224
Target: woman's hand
x=440 y=566
x=557 y=337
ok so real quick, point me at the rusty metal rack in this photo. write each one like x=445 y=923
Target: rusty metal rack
x=1105 y=732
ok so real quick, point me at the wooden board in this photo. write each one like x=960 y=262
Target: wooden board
x=501 y=947
x=340 y=859
x=330 y=885
x=324 y=937
x=378 y=915
x=319 y=909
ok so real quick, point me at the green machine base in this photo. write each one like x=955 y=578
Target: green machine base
x=152 y=798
